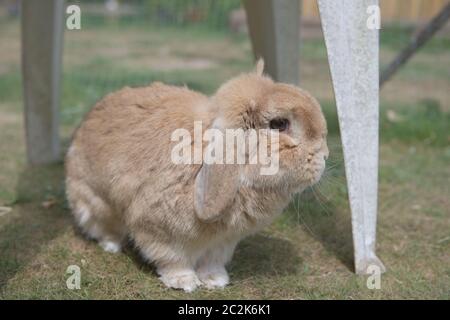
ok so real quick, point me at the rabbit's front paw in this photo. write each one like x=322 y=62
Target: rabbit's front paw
x=110 y=246
x=213 y=278
x=180 y=279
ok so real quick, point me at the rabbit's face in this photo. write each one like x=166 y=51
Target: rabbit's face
x=256 y=102
x=303 y=146
x=253 y=101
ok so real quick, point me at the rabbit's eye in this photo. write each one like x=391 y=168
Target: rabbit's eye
x=280 y=124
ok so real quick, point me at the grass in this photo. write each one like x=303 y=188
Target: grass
x=307 y=252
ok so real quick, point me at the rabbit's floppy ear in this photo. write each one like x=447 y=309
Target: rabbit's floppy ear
x=217 y=182
x=216 y=186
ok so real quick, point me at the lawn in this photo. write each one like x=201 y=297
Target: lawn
x=307 y=252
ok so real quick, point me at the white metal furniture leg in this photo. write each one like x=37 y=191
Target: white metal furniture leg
x=353 y=57
x=274 y=31
x=42 y=42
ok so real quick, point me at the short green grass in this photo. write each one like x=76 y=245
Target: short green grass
x=307 y=252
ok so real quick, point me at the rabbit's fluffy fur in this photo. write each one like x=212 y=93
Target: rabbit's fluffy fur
x=121 y=182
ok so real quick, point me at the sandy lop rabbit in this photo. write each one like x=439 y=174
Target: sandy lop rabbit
x=187 y=219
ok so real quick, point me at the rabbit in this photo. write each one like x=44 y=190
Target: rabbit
x=186 y=219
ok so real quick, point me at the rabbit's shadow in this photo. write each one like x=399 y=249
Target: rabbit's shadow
x=257 y=255
x=326 y=223
x=264 y=255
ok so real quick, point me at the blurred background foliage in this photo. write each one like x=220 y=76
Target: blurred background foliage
x=211 y=14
